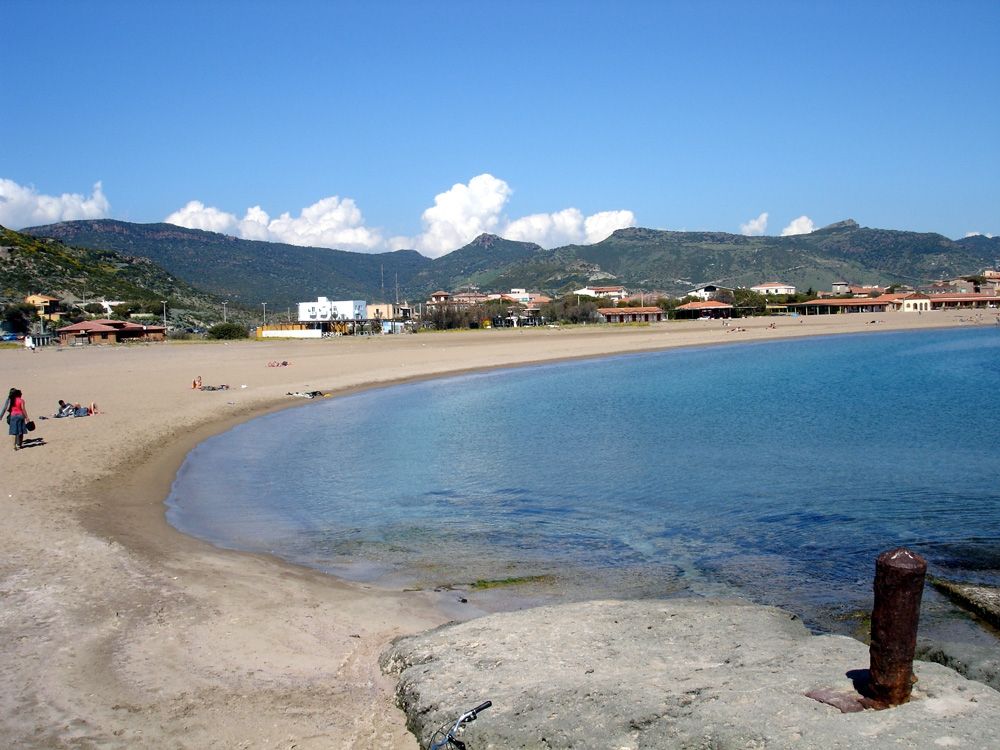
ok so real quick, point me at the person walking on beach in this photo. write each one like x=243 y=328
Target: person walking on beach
x=29 y=343
x=18 y=414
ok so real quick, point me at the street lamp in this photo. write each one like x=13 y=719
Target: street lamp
x=224 y=311
x=164 y=315
x=265 y=312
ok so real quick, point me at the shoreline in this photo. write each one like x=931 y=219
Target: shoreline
x=152 y=637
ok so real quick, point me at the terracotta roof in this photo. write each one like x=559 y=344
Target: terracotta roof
x=627 y=310
x=711 y=304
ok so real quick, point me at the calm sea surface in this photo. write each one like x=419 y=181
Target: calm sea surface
x=776 y=472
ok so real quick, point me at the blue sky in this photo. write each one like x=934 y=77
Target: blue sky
x=371 y=126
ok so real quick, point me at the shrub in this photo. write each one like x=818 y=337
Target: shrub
x=227 y=331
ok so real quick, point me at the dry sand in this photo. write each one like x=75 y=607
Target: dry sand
x=118 y=631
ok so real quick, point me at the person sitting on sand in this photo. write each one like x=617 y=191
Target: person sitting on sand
x=64 y=410
x=196 y=383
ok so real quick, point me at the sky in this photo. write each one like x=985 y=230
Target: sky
x=374 y=126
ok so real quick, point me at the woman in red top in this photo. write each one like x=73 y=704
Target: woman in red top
x=18 y=418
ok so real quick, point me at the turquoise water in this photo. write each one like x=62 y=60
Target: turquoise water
x=776 y=472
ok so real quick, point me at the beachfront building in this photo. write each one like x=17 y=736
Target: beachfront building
x=106 y=331
x=324 y=310
x=849 y=305
x=388 y=311
x=709 y=308
x=773 y=287
x=46 y=306
x=915 y=302
x=631 y=314
x=615 y=293
x=711 y=292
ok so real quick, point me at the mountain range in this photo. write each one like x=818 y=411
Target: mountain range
x=251 y=272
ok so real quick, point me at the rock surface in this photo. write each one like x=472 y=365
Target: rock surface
x=685 y=673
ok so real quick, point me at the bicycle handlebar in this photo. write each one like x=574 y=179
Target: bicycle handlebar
x=481 y=707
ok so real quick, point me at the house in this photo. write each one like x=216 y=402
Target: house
x=106 y=331
x=607 y=292
x=842 y=288
x=387 y=311
x=773 y=287
x=710 y=291
x=631 y=314
x=710 y=308
x=439 y=298
x=915 y=302
x=46 y=306
x=324 y=310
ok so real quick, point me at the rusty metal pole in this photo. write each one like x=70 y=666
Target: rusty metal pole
x=899 y=585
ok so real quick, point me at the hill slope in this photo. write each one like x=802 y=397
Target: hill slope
x=32 y=265
x=638 y=258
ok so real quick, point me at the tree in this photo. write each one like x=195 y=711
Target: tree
x=227 y=331
x=19 y=316
x=94 y=308
x=747 y=299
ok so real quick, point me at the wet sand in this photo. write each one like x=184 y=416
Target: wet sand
x=118 y=631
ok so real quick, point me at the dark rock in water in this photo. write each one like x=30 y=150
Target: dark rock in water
x=681 y=673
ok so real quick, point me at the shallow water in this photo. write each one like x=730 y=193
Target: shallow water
x=775 y=471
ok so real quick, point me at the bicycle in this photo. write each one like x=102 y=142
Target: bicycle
x=449 y=737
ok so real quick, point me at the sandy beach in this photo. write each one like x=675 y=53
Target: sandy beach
x=118 y=631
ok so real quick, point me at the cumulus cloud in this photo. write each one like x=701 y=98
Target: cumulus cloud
x=463 y=212
x=801 y=225
x=979 y=234
x=755 y=227
x=22 y=206
x=458 y=216
x=330 y=222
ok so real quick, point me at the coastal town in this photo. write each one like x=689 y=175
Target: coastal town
x=518 y=307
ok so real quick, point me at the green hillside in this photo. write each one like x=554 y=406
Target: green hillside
x=640 y=259
x=29 y=265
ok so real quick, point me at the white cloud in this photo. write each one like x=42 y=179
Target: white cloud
x=330 y=222
x=801 y=225
x=463 y=212
x=458 y=216
x=755 y=227
x=196 y=215
x=599 y=226
x=22 y=206
x=978 y=234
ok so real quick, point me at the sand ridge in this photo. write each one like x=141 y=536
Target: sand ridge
x=118 y=631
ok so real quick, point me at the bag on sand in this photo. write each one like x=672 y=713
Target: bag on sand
x=30 y=426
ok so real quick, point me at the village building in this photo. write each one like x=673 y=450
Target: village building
x=615 y=293
x=915 y=302
x=878 y=304
x=631 y=314
x=439 y=298
x=106 y=331
x=47 y=307
x=389 y=311
x=773 y=287
x=709 y=308
x=710 y=292
x=324 y=310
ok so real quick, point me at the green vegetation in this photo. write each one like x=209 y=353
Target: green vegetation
x=671 y=263
x=227 y=331
x=80 y=275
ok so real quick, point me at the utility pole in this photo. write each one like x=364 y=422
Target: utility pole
x=224 y=311
x=265 y=312
x=164 y=316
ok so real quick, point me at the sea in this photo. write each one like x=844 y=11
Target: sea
x=774 y=472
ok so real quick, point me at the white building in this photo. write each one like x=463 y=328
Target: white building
x=324 y=310
x=607 y=292
x=773 y=287
x=710 y=291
